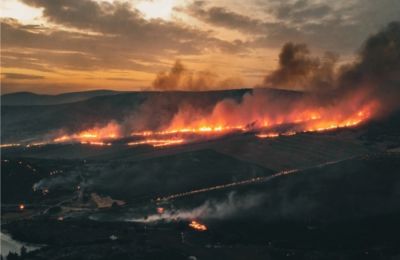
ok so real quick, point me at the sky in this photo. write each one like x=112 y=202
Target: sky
x=56 y=46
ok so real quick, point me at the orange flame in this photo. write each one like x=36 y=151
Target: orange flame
x=267 y=135
x=93 y=136
x=260 y=113
x=197 y=226
x=157 y=142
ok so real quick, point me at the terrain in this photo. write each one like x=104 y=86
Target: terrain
x=311 y=195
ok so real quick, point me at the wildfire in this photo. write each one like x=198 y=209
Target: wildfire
x=267 y=135
x=93 y=136
x=157 y=142
x=96 y=143
x=197 y=226
x=266 y=116
x=9 y=145
x=202 y=130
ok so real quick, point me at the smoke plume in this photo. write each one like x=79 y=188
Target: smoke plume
x=211 y=209
x=180 y=78
x=299 y=70
x=377 y=67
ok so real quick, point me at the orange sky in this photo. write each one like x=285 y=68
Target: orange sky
x=54 y=46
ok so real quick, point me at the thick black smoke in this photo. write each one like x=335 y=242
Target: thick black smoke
x=298 y=69
x=378 y=67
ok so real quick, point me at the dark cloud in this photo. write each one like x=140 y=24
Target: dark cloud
x=20 y=76
x=301 y=11
x=122 y=22
x=221 y=16
x=104 y=36
x=298 y=69
x=341 y=27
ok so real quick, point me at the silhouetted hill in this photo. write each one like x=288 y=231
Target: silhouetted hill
x=30 y=99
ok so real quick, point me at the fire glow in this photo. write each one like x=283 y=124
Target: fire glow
x=262 y=114
x=157 y=142
x=93 y=136
x=197 y=226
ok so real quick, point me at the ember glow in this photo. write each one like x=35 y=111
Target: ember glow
x=267 y=135
x=9 y=145
x=157 y=142
x=96 y=143
x=201 y=130
x=197 y=226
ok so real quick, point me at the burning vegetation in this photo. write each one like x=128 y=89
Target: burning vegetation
x=197 y=226
x=93 y=136
x=257 y=112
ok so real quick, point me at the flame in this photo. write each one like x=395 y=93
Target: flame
x=93 y=136
x=9 y=145
x=269 y=117
x=201 y=130
x=21 y=206
x=197 y=226
x=157 y=142
x=258 y=112
x=267 y=135
x=96 y=143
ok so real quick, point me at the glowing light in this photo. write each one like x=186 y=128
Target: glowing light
x=197 y=226
x=157 y=142
x=190 y=126
x=96 y=143
x=267 y=135
x=21 y=206
x=9 y=145
x=93 y=136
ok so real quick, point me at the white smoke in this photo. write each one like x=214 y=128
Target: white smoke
x=211 y=209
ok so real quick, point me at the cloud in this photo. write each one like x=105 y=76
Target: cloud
x=301 y=11
x=122 y=22
x=20 y=76
x=221 y=16
x=89 y=35
x=340 y=26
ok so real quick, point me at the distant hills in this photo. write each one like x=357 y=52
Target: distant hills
x=29 y=98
